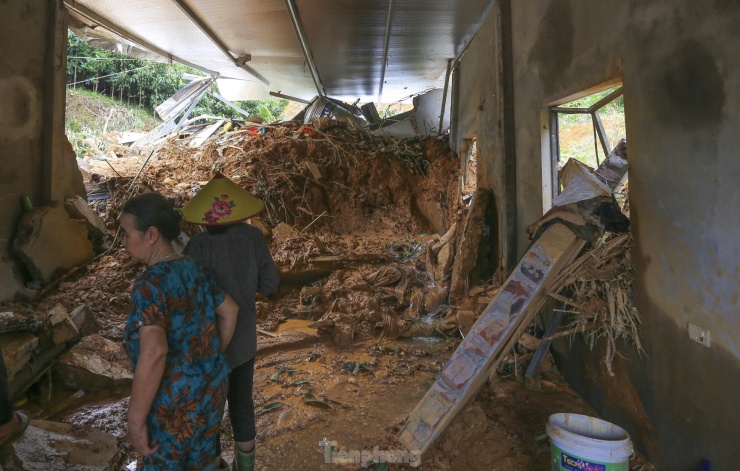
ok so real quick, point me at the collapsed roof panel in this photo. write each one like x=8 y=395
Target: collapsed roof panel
x=164 y=24
x=347 y=41
x=262 y=29
x=360 y=49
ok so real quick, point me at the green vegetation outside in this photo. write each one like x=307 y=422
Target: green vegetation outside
x=576 y=131
x=90 y=116
x=107 y=92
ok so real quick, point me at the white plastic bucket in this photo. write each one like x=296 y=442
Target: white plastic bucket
x=583 y=443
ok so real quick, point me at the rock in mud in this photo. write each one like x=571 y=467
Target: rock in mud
x=79 y=209
x=47 y=446
x=61 y=326
x=93 y=364
x=85 y=320
x=48 y=240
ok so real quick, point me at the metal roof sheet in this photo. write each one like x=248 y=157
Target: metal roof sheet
x=347 y=39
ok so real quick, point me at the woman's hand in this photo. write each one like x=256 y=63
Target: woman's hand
x=138 y=437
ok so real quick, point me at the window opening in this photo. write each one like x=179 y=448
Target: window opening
x=587 y=129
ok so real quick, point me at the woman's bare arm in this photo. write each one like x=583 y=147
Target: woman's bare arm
x=147 y=380
x=226 y=314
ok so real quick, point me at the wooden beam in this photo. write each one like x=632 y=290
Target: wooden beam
x=492 y=336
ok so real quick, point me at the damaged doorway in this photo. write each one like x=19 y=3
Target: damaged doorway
x=479 y=250
x=469 y=164
x=588 y=129
x=588 y=143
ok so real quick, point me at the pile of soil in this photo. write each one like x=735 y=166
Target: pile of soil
x=328 y=191
x=364 y=182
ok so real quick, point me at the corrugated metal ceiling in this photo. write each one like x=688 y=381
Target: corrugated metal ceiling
x=346 y=38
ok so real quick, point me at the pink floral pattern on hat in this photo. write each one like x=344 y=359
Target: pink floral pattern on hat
x=220 y=208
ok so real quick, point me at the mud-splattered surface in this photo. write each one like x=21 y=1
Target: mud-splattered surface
x=361 y=324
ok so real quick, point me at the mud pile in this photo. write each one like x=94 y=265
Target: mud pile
x=341 y=206
x=360 y=182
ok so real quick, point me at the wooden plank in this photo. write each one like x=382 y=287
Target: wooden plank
x=498 y=328
x=264 y=332
x=328 y=260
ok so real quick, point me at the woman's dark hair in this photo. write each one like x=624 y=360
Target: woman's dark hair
x=153 y=209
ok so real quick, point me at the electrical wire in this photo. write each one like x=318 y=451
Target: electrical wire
x=109 y=75
x=105 y=58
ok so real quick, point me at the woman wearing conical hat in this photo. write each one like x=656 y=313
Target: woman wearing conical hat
x=238 y=256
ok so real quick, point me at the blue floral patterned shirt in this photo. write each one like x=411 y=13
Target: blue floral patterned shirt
x=181 y=297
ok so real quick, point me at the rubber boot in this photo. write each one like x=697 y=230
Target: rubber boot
x=221 y=464
x=243 y=461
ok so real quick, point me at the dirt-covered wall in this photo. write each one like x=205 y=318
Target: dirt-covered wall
x=680 y=66
x=35 y=155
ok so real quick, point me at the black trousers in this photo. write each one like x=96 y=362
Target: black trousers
x=241 y=403
x=6 y=404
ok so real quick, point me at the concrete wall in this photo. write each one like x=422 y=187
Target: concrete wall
x=33 y=148
x=480 y=82
x=680 y=66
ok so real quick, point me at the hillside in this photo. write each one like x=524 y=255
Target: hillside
x=91 y=115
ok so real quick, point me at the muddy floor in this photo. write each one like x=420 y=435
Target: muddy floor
x=316 y=400
x=315 y=403
x=363 y=231
x=496 y=431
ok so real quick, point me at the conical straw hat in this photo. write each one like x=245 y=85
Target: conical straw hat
x=221 y=202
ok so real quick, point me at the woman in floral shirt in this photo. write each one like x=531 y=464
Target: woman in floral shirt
x=180 y=323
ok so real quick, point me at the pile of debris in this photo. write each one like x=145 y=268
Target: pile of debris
x=580 y=215
x=51 y=240
x=340 y=204
x=362 y=228
x=597 y=288
x=37 y=343
x=302 y=171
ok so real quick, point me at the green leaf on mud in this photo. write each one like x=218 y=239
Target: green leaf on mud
x=269 y=407
x=311 y=400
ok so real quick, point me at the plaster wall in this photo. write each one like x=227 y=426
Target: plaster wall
x=34 y=152
x=478 y=109
x=480 y=113
x=23 y=30
x=680 y=66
